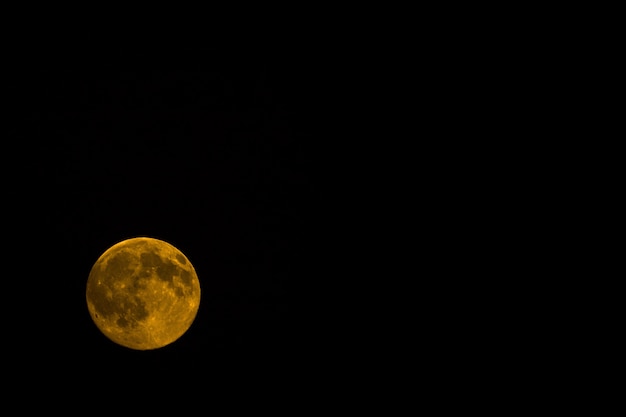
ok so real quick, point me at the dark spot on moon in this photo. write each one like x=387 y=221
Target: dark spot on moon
x=185 y=276
x=150 y=259
x=181 y=259
x=166 y=271
x=138 y=309
x=144 y=273
x=97 y=294
x=179 y=291
x=117 y=265
x=129 y=308
x=138 y=282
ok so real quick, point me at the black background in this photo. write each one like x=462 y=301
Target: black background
x=218 y=159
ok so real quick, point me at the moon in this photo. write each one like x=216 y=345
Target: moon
x=143 y=293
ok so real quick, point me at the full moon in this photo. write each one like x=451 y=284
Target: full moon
x=143 y=293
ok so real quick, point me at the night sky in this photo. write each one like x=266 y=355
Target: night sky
x=215 y=159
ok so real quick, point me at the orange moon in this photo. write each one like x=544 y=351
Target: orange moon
x=143 y=293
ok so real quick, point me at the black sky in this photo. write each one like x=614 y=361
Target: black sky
x=215 y=159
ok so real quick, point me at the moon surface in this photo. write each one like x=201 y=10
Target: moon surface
x=143 y=293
